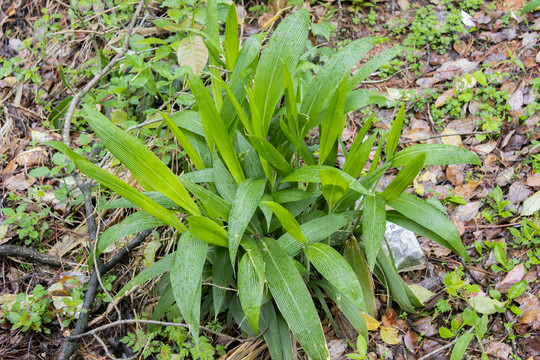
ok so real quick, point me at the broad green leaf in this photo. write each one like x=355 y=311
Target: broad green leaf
x=287 y=220
x=224 y=181
x=298 y=143
x=186 y=279
x=200 y=176
x=284 y=47
x=436 y=154
x=120 y=187
x=311 y=174
x=394 y=134
x=222 y=275
x=373 y=64
x=358 y=99
x=458 y=352
x=166 y=300
x=269 y=153
x=373 y=226
x=231 y=38
x=290 y=195
x=248 y=55
x=192 y=52
x=350 y=310
x=421 y=293
x=140 y=161
x=317 y=230
x=333 y=186
x=359 y=152
x=334 y=268
x=215 y=128
x=243 y=208
x=403 y=221
x=485 y=304
x=212 y=37
x=293 y=300
x=252 y=163
x=290 y=104
x=403 y=179
x=239 y=111
x=152 y=195
x=517 y=289
x=211 y=202
x=207 y=230
x=183 y=141
x=530 y=6
x=329 y=77
x=59 y=111
x=285 y=337
x=333 y=124
x=151 y=272
x=188 y=120
x=358 y=155
x=130 y=225
x=432 y=219
x=386 y=272
x=356 y=259
x=250 y=291
x=255 y=255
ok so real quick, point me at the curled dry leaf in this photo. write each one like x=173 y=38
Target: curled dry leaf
x=518 y=192
x=468 y=211
x=411 y=340
x=193 y=52
x=498 y=349
x=336 y=348
x=20 y=182
x=515 y=275
x=530 y=308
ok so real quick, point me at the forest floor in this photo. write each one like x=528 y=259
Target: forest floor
x=473 y=81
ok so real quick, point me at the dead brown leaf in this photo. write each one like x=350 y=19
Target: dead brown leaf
x=530 y=308
x=519 y=192
x=515 y=275
x=20 y=182
x=533 y=180
x=498 y=349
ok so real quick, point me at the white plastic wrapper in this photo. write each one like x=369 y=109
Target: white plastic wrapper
x=406 y=250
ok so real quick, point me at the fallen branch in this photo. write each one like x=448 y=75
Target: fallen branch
x=447 y=135
x=32 y=256
x=162 y=323
x=82 y=322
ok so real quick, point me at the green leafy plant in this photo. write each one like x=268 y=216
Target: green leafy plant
x=266 y=211
x=497 y=206
x=171 y=342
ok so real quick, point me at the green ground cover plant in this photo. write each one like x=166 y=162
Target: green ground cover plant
x=259 y=210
